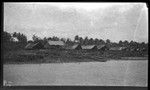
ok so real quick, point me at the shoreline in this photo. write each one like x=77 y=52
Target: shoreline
x=100 y=60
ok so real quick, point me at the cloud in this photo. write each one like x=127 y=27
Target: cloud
x=115 y=22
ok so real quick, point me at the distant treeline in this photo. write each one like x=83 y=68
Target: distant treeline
x=9 y=42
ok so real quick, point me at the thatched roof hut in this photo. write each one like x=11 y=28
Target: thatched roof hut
x=89 y=47
x=117 y=48
x=102 y=47
x=31 y=46
x=54 y=44
x=74 y=47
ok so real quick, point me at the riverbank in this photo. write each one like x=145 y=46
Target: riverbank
x=67 y=56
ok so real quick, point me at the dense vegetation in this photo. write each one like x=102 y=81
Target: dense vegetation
x=9 y=43
x=14 y=50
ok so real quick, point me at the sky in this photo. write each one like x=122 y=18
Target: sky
x=114 y=21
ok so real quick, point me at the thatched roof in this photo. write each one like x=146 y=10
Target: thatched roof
x=60 y=43
x=34 y=46
x=89 y=47
x=77 y=46
x=29 y=46
x=117 y=48
x=101 y=46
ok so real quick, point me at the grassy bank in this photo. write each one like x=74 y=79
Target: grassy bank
x=64 y=56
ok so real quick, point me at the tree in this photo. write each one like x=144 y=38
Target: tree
x=63 y=39
x=85 y=42
x=9 y=44
x=68 y=41
x=91 y=41
x=132 y=43
x=21 y=37
x=114 y=44
x=96 y=41
x=14 y=34
x=44 y=40
x=76 y=38
x=81 y=40
x=35 y=38
x=107 y=41
x=120 y=43
x=6 y=36
x=103 y=42
x=125 y=43
x=49 y=38
x=54 y=38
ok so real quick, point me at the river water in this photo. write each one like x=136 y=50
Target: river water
x=110 y=73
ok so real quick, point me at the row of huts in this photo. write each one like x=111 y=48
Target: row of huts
x=88 y=47
x=61 y=45
x=48 y=45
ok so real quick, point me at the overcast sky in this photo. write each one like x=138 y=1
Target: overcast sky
x=114 y=21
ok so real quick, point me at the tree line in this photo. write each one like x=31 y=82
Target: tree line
x=9 y=43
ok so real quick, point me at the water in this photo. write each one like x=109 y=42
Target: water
x=110 y=73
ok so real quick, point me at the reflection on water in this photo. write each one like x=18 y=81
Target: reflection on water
x=111 y=73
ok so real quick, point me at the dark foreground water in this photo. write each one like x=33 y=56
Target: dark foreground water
x=110 y=73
